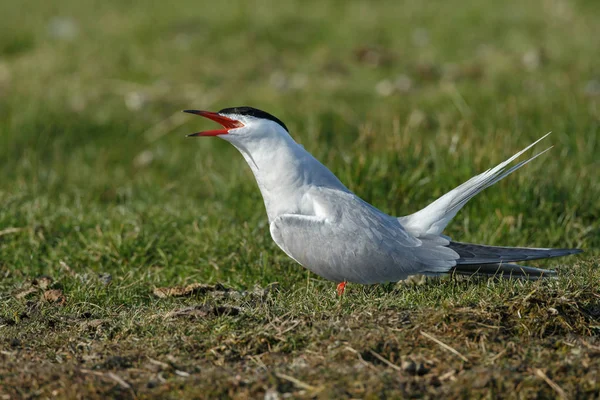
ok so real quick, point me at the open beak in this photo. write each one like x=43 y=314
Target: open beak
x=226 y=122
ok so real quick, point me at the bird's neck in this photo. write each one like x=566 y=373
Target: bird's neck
x=284 y=171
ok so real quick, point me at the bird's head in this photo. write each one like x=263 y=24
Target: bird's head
x=241 y=123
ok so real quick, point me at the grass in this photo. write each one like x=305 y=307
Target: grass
x=402 y=100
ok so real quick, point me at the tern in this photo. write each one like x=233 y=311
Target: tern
x=322 y=225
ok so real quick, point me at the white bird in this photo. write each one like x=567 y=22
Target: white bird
x=329 y=230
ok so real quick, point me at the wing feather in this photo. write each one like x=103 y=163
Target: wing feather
x=351 y=240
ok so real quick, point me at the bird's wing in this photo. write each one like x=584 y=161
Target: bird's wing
x=433 y=219
x=348 y=239
x=480 y=254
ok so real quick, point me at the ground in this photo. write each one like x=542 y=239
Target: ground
x=136 y=263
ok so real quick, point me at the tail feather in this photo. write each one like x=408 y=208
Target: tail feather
x=483 y=260
x=476 y=254
x=503 y=271
x=432 y=220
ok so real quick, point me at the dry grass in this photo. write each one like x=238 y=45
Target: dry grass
x=129 y=255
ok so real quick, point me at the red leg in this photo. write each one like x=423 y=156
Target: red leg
x=341 y=287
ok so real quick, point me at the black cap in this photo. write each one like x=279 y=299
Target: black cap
x=254 y=112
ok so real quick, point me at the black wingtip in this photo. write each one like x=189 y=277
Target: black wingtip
x=565 y=252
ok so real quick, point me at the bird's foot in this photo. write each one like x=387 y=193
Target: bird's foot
x=341 y=287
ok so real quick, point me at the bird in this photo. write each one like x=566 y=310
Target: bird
x=322 y=225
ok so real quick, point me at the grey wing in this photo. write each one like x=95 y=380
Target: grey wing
x=348 y=239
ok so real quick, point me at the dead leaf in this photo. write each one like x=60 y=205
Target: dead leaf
x=189 y=290
x=55 y=296
x=29 y=287
x=21 y=294
x=93 y=324
x=203 y=311
x=43 y=282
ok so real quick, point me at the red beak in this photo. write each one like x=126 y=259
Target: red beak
x=227 y=123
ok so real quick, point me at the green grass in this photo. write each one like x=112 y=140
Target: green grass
x=98 y=178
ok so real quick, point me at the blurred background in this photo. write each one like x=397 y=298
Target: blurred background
x=403 y=100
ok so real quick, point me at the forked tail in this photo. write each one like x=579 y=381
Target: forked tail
x=433 y=219
x=478 y=259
